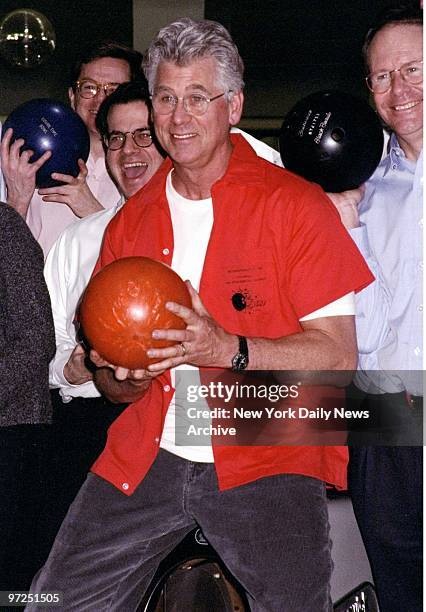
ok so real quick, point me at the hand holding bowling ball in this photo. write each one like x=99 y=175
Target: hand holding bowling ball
x=333 y=139
x=48 y=125
x=19 y=173
x=124 y=303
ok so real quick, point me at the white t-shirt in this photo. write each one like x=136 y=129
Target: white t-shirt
x=192 y=222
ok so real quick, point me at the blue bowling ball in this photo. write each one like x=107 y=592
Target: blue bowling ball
x=46 y=125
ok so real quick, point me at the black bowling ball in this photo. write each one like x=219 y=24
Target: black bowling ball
x=332 y=138
x=47 y=124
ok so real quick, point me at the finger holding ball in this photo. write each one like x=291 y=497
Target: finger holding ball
x=48 y=125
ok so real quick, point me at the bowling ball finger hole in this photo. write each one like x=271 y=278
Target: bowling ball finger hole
x=338 y=134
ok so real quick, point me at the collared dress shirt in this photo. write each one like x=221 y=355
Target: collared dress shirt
x=67 y=271
x=390 y=310
x=47 y=220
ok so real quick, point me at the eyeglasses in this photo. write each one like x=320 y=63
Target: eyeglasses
x=194 y=104
x=89 y=89
x=380 y=82
x=141 y=137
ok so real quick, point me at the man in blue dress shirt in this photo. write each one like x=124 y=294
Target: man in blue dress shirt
x=386 y=481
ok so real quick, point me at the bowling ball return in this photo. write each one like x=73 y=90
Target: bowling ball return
x=333 y=139
x=49 y=125
x=124 y=303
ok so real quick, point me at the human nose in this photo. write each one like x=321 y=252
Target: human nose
x=179 y=113
x=129 y=144
x=101 y=93
x=397 y=81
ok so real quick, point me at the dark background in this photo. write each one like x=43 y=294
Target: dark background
x=76 y=22
x=290 y=47
x=294 y=47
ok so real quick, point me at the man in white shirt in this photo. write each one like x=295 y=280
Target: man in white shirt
x=97 y=74
x=132 y=158
x=81 y=416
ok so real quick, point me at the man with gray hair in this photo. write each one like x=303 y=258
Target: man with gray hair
x=223 y=218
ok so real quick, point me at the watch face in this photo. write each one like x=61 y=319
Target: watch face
x=239 y=362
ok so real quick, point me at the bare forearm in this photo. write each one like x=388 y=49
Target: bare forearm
x=119 y=391
x=310 y=350
x=324 y=343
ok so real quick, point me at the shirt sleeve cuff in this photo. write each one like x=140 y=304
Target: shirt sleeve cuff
x=57 y=379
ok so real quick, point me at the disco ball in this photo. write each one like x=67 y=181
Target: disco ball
x=27 y=38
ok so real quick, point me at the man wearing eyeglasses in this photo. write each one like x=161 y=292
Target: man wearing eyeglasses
x=98 y=72
x=82 y=416
x=230 y=222
x=386 y=481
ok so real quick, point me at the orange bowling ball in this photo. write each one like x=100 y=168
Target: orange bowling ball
x=124 y=303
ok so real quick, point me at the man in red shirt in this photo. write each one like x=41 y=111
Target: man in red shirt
x=272 y=274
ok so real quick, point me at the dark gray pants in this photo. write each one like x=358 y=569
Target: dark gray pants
x=272 y=534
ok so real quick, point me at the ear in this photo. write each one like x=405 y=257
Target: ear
x=71 y=96
x=236 y=108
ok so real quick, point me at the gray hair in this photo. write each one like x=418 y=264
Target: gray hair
x=185 y=40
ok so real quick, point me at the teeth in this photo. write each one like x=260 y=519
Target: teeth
x=400 y=107
x=183 y=136
x=136 y=165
